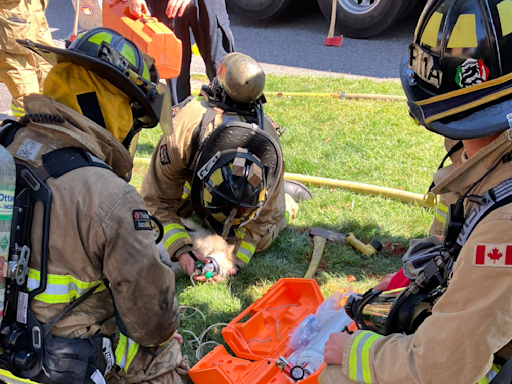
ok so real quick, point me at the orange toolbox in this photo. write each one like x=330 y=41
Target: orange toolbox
x=149 y=35
x=261 y=339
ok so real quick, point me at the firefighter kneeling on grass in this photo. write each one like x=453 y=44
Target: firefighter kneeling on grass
x=452 y=324
x=101 y=252
x=224 y=163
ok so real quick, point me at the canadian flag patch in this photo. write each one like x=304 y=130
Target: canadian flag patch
x=493 y=255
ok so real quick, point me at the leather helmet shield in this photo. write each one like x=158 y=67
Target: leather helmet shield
x=84 y=54
x=459 y=44
x=221 y=147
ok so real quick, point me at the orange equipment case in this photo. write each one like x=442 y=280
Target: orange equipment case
x=272 y=320
x=149 y=35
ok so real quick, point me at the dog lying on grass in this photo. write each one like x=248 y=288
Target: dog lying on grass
x=207 y=244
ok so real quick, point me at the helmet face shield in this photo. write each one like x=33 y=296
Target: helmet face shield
x=165 y=109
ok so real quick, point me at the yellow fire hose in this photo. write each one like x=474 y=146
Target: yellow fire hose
x=339 y=95
x=428 y=200
x=336 y=95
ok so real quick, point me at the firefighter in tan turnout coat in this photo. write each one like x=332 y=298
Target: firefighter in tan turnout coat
x=465 y=95
x=77 y=134
x=248 y=210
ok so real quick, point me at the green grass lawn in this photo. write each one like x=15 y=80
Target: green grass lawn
x=374 y=142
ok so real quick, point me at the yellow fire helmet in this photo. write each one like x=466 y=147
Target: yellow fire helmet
x=117 y=60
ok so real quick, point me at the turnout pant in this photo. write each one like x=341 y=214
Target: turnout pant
x=21 y=70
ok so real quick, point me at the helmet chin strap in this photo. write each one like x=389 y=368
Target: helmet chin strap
x=228 y=223
x=217 y=96
x=137 y=126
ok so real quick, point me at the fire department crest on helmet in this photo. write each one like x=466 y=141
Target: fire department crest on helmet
x=471 y=72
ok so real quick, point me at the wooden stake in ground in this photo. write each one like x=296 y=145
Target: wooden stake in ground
x=332 y=41
x=75 y=24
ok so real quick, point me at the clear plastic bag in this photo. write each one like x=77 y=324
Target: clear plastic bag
x=308 y=339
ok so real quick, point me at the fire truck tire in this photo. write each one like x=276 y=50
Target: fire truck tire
x=258 y=9
x=364 y=18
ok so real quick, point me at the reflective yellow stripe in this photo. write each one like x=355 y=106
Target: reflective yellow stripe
x=173 y=232
x=60 y=289
x=129 y=53
x=125 y=352
x=490 y=375
x=9 y=378
x=240 y=233
x=101 y=37
x=359 y=363
x=245 y=252
x=441 y=211
x=441 y=218
x=186 y=191
x=17 y=111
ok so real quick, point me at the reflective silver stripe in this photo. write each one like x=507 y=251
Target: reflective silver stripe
x=245 y=252
x=173 y=232
x=186 y=190
x=125 y=352
x=60 y=289
x=359 y=363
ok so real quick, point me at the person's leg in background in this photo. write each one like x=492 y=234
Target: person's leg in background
x=22 y=71
x=181 y=28
x=212 y=33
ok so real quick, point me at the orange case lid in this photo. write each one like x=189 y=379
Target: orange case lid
x=264 y=335
x=149 y=35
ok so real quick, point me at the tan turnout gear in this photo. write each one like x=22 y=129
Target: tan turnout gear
x=93 y=238
x=167 y=184
x=241 y=77
x=22 y=71
x=468 y=326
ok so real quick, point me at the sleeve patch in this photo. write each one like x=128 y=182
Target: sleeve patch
x=164 y=155
x=141 y=220
x=493 y=255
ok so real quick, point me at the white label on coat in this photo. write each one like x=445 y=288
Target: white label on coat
x=29 y=149
x=108 y=354
x=98 y=378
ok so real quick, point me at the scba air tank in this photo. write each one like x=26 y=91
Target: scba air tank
x=7 y=187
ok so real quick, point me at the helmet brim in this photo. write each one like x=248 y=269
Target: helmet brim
x=478 y=122
x=103 y=69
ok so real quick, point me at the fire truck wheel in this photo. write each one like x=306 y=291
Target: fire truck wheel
x=258 y=9
x=364 y=18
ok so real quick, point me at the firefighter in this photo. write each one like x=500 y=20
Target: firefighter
x=22 y=71
x=223 y=162
x=100 y=92
x=456 y=76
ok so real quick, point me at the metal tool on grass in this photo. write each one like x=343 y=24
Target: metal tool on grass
x=373 y=247
x=320 y=237
x=332 y=41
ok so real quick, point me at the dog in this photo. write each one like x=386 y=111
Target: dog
x=206 y=243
